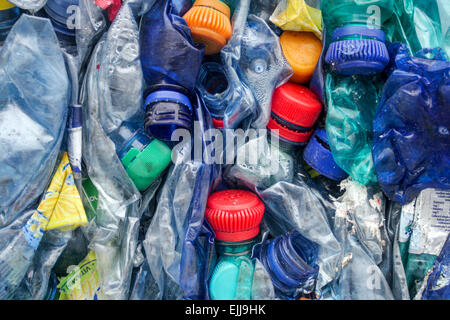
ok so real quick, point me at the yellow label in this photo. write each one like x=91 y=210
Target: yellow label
x=62 y=203
x=5 y=5
x=296 y=15
x=83 y=282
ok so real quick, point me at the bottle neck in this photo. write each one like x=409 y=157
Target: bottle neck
x=240 y=248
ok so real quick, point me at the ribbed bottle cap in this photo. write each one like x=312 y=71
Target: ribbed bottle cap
x=357 y=50
x=295 y=109
x=235 y=215
x=209 y=21
x=318 y=155
x=143 y=167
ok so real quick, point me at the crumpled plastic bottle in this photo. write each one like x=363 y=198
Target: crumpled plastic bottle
x=254 y=66
x=422 y=235
x=352 y=103
x=165 y=45
x=421 y=24
x=178 y=246
x=108 y=101
x=359 y=226
x=290 y=260
x=411 y=128
x=31 y=129
x=437 y=285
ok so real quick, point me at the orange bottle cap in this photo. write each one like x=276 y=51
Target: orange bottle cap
x=302 y=51
x=209 y=21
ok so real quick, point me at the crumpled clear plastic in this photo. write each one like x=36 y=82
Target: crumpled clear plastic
x=359 y=227
x=352 y=103
x=421 y=236
x=411 y=149
x=166 y=44
x=295 y=204
x=92 y=25
x=437 y=282
x=35 y=284
x=260 y=164
x=32 y=5
x=254 y=66
x=299 y=15
x=421 y=24
x=35 y=92
x=178 y=245
x=108 y=101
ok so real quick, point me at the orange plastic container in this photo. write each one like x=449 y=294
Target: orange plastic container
x=209 y=21
x=302 y=51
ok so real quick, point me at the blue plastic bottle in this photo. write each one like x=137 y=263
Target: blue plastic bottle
x=170 y=63
x=235 y=216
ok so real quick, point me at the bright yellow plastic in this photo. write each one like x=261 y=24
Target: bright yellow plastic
x=62 y=203
x=296 y=15
x=5 y=5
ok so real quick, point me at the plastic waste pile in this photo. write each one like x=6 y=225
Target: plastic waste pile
x=224 y=149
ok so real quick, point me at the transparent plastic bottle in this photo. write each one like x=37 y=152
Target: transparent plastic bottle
x=357 y=39
x=235 y=216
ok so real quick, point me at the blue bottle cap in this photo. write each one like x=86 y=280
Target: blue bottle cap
x=7 y=19
x=357 y=50
x=317 y=154
x=166 y=111
x=57 y=11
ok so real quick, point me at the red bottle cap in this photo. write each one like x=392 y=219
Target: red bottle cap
x=235 y=215
x=297 y=106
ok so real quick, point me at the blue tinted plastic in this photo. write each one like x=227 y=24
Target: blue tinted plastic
x=411 y=150
x=179 y=248
x=130 y=136
x=31 y=128
x=254 y=66
x=7 y=19
x=166 y=45
x=108 y=101
x=291 y=262
x=438 y=286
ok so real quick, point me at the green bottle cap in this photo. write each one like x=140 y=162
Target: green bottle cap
x=143 y=167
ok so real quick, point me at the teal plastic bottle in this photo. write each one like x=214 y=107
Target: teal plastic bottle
x=354 y=31
x=235 y=216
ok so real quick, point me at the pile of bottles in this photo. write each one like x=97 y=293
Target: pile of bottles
x=224 y=149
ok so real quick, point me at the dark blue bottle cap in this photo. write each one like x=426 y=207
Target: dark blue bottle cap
x=357 y=50
x=167 y=111
x=317 y=154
